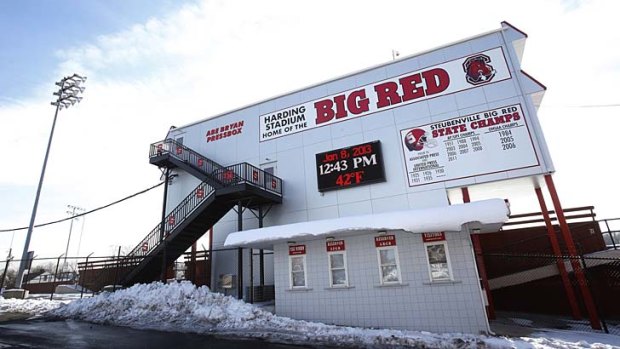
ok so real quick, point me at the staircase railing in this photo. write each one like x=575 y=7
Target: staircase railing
x=224 y=175
x=153 y=239
x=185 y=154
x=250 y=174
x=173 y=219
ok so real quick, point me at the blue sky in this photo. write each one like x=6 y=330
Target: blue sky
x=35 y=30
x=153 y=64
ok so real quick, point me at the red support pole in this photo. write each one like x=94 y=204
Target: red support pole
x=465 y=193
x=555 y=246
x=482 y=271
x=595 y=322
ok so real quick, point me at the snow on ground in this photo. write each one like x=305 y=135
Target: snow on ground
x=28 y=306
x=186 y=308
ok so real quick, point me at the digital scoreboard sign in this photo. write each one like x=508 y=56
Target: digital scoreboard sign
x=351 y=166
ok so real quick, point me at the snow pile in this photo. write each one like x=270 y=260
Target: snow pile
x=183 y=307
x=28 y=306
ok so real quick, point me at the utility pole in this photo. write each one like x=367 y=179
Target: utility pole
x=71 y=212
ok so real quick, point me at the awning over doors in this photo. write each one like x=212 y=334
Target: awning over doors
x=487 y=215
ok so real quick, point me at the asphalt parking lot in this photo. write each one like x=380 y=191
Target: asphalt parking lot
x=41 y=333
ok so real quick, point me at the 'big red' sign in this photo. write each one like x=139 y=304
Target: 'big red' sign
x=454 y=76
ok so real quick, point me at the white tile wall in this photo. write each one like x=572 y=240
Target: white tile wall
x=402 y=66
x=429 y=198
x=317 y=135
x=345 y=128
x=417 y=305
x=355 y=208
x=378 y=120
x=500 y=91
x=443 y=104
x=390 y=203
x=327 y=212
x=486 y=42
x=458 y=51
x=417 y=113
x=470 y=98
x=313 y=93
x=371 y=76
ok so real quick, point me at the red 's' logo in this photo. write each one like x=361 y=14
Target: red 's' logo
x=415 y=139
x=478 y=70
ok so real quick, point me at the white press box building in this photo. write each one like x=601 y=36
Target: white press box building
x=361 y=228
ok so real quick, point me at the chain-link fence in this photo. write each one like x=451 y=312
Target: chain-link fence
x=240 y=273
x=568 y=292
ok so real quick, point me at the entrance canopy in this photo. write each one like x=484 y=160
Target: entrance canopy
x=487 y=216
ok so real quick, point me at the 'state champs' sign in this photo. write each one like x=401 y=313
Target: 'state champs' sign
x=454 y=76
x=483 y=143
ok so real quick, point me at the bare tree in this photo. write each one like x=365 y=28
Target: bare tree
x=9 y=279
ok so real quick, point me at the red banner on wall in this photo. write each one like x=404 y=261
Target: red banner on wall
x=335 y=245
x=431 y=237
x=296 y=250
x=385 y=240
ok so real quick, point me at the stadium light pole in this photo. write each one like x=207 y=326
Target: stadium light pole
x=69 y=88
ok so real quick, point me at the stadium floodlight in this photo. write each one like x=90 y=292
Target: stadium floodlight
x=67 y=95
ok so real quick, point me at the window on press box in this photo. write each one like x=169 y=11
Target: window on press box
x=298 y=271
x=338 y=276
x=389 y=266
x=438 y=261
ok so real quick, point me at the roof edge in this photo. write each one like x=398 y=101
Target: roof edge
x=515 y=28
x=349 y=75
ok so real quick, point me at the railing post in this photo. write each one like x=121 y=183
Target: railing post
x=239 y=253
x=611 y=235
x=118 y=262
x=162 y=234
x=55 y=273
x=261 y=253
x=251 y=295
x=207 y=269
x=83 y=281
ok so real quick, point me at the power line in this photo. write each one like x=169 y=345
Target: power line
x=87 y=212
x=612 y=105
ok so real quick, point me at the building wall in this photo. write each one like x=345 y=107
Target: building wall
x=294 y=155
x=433 y=307
x=417 y=304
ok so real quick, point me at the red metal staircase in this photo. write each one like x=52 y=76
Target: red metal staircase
x=222 y=188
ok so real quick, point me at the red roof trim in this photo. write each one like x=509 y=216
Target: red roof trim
x=536 y=81
x=515 y=28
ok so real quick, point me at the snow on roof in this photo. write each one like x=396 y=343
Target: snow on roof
x=487 y=215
